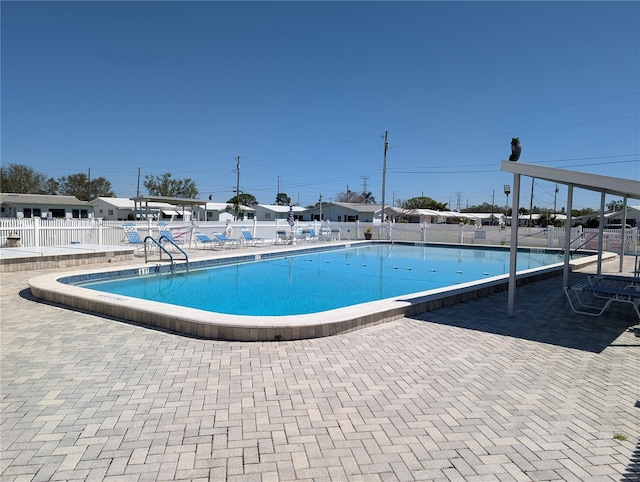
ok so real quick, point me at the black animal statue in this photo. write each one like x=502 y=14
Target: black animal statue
x=516 y=149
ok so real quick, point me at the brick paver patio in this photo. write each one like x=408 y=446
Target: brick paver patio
x=463 y=393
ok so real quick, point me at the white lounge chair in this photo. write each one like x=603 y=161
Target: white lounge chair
x=249 y=238
x=617 y=281
x=224 y=241
x=282 y=236
x=593 y=300
x=132 y=236
x=205 y=240
x=166 y=233
x=309 y=234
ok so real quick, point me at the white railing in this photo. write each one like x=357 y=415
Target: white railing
x=35 y=232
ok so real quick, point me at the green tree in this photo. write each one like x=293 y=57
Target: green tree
x=355 y=197
x=485 y=207
x=78 y=185
x=368 y=198
x=21 y=179
x=244 y=199
x=282 y=199
x=166 y=186
x=423 y=202
x=614 y=206
x=53 y=186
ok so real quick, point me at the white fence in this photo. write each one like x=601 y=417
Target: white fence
x=34 y=232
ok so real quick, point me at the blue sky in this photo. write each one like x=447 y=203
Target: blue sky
x=303 y=92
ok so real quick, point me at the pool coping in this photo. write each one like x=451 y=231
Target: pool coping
x=210 y=325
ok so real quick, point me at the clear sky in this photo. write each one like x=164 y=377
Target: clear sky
x=303 y=92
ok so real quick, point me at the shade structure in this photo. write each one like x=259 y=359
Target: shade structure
x=627 y=188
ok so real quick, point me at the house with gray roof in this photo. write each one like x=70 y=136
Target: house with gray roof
x=213 y=211
x=344 y=212
x=272 y=212
x=13 y=205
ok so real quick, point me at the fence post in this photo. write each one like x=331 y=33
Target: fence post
x=100 y=229
x=36 y=232
x=550 y=236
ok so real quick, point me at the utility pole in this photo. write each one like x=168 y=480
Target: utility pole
x=384 y=172
x=237 y=187
x=533 y=179
x=277 y=193
x=89 y=186
x=321 y=207
x=138 y=185
x=493 y=197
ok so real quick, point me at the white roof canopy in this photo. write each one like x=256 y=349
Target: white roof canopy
x=593 y=182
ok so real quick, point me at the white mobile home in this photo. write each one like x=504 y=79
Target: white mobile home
x=272 y=212
x=43 y=206
x=344 y=212
x=223 y=212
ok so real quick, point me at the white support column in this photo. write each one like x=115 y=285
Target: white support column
x=567 y=237
x=513 y=251
x=601 y=232
x=623 y=232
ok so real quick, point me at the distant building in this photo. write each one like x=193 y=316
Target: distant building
x=344 y=212
x=272 y=212
x=633 y=217
x=122 y=209
x=223 y=212
x=43 y=206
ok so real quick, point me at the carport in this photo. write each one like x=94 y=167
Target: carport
x=626 y=188
x=140 y=201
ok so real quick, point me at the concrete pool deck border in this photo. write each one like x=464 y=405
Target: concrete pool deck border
x=209 y=325
x=45 y=257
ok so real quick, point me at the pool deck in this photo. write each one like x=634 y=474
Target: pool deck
x=42 y=257
x=461 y=393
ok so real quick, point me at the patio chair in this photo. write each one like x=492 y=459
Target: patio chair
x=224 y=241
x=205 y=240
x=618 y=281
x=249 y=238
x=132 y=236
x=310 y=235
x=165 y=231
x=282 y=236
x=600 y=298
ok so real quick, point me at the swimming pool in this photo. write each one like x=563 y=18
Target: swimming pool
x=64 y=289
x=320 y=281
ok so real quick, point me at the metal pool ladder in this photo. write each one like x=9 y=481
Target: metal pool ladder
x=158 y=243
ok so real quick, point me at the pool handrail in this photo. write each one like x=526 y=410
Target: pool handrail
x=158 y=243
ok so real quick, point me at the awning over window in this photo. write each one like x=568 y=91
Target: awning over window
x=170 y=212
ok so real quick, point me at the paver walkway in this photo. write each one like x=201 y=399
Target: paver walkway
x=464 y=393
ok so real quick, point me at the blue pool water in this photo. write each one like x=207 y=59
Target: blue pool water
x=321 y=281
